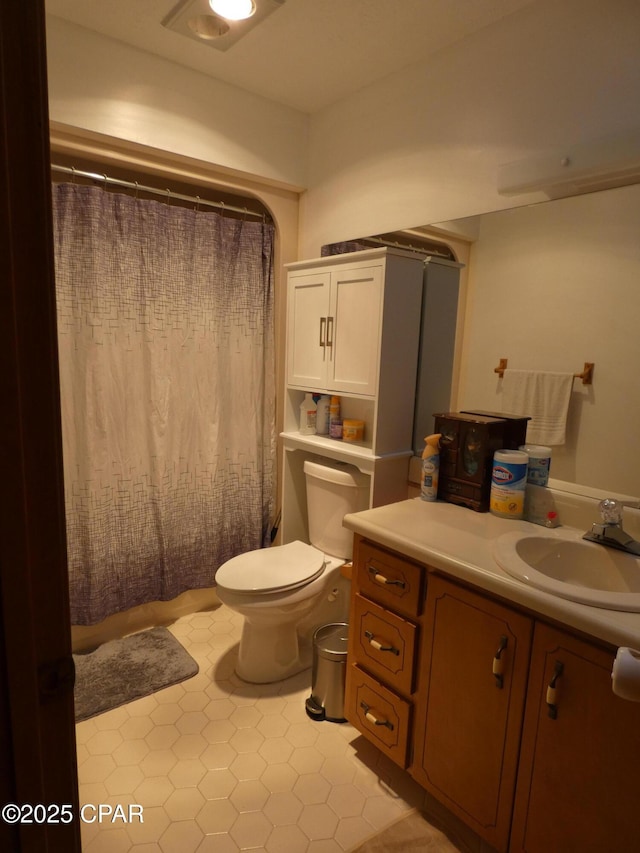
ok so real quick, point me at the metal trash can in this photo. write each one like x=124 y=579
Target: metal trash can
x=328 y=673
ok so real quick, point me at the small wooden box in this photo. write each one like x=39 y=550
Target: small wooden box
x=467 y=444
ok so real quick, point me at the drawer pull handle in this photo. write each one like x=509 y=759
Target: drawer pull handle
x=376 y=644
x=551 y=690
x=373 y=719
x=498 y=663
x=378 y=578
x=323 y=325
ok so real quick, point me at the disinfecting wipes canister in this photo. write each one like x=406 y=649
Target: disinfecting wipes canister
x=508 y=481
x=539 y=463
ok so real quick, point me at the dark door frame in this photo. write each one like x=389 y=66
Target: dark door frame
x=37 y=733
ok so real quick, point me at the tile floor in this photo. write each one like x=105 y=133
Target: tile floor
x=221 y=765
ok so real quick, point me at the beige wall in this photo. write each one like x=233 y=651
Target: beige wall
x=103 y=86
x=425 y=144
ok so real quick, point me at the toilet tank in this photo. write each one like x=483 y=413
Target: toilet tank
x=333 y=490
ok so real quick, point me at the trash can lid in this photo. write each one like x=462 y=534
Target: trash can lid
x=331 y=640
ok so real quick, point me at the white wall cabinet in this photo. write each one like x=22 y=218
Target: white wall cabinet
x=334 y=329
x=353 y=328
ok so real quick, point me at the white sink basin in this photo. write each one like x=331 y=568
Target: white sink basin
x=561 y=562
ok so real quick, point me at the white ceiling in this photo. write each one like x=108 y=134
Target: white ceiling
x=308 y=53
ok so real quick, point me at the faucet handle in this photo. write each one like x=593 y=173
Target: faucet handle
x=611 y=511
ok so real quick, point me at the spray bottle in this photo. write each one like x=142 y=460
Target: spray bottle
x=430 y=468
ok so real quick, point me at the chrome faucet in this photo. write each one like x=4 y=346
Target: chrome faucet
x=609 y=531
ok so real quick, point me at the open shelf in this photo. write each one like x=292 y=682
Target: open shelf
x=352 y=452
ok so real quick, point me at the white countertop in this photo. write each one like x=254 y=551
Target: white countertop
x=459 y=541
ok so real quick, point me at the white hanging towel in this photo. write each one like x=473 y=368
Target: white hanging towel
x=544 y=397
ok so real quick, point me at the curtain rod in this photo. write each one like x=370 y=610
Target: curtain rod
x=167 y=194
x=431 y=249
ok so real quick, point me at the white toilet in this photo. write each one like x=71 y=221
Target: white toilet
x=278 y=590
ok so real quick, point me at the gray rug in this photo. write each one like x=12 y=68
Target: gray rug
x=123 y=670
x=412 y=832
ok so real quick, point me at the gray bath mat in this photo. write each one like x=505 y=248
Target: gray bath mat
x=123 y=670
x=412 y=833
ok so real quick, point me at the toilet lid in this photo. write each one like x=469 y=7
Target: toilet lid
x=271 y=569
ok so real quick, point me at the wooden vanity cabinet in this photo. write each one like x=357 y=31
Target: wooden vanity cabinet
x=577 y=786
x=475 y=657
x=507 y=721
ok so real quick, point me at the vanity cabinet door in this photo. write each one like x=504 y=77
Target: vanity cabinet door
x=578 y=778
x=471 y=702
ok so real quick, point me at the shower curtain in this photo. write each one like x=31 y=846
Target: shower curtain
x=165 y=330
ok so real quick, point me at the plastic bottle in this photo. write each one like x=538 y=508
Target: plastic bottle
x=430 y=468
x=307 y=415
x=539 y=463
x=322 y=415
x=335 y=421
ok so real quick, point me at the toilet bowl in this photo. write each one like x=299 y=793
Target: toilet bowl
x=276 y=590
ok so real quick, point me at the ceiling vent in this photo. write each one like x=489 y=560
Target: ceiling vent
x=194 y=19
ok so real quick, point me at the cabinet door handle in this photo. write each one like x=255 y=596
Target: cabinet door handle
x=498 y=663
x=381 y=579
x=376 y=644
x=552 y=705
x=323 y=331
x=330 y=335
x=369 y=715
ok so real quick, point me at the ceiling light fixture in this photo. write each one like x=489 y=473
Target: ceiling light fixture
x=233 y=10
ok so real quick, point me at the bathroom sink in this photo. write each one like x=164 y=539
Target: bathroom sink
x=561 y=562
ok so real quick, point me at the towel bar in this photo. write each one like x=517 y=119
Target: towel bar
x=586 y=375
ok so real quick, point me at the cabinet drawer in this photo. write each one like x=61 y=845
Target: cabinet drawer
x=384 y=644
x=390 y=580
x=378 y=713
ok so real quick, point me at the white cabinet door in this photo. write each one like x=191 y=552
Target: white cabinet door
x=334 y=330
x=308 y=310
x=354 y=330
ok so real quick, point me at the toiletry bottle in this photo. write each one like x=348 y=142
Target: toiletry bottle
x=322 y=415
x=430 y=468
x=335 y=421
x=307 y=415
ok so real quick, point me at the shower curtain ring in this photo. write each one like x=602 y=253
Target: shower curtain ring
x=197 y=205
x=106 y=180
x=168 y=196
x=137 y=186
x=73 y=174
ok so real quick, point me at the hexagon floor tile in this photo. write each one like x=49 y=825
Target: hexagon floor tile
x=220 y=765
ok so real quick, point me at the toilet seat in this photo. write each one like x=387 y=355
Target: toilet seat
x=276 y=569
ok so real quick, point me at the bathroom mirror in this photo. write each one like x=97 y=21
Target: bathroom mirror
x=549 y=287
